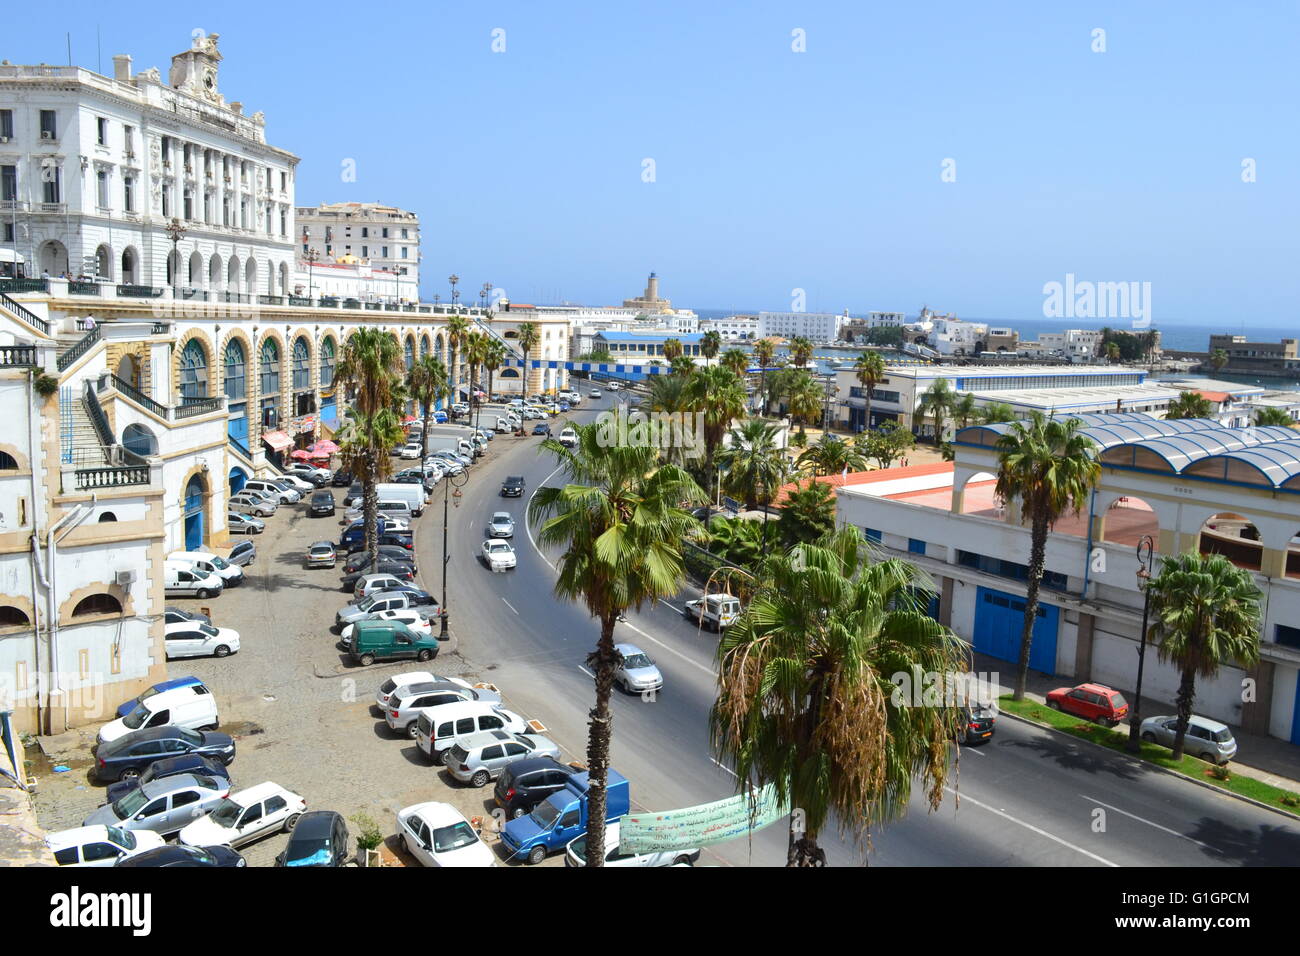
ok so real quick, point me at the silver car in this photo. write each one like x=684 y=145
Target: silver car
x=637 y=673
x=1205 y=738
x=237 y=523
x=165 y=805
x=502 y=525
x=251 y=503
x=368 y=608
x=477 y=758
x=403 y=711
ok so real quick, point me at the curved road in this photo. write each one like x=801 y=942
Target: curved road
x=1028 y=798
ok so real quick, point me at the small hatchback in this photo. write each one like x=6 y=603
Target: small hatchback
x=322 y=555
x=322 y=503
x=525 y=783
x=637 y=673
x=1205 y=738
x=1094 y=702
x=319 y=838
x=481 y=757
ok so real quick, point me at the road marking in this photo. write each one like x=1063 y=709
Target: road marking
x=974 y=750
x=728 y=769
x=1029 y=826
x=1204 y=846
x=673 y=606
x=509 y=605
x=587 y=672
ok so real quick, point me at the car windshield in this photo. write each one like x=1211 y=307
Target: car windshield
x=208 y=629
x=367 y=604
x=227 y=813
x=501 y=519
x=191 y=736
x=1117 y=700
x=135 y=720
x=453 y=837
x=1222 y=736
x=637 y=660
x=499 y=546
x=219 y=563
x=131 y=804
x=123 y=838
x=307 y=852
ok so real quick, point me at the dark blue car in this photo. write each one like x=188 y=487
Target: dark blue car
x=158 y=688
x=131 y=755
x=167 y=767
x=178 y=855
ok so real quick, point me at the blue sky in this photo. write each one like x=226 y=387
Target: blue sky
x=777 y=170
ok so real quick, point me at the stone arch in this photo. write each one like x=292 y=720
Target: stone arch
x=237 y=478
x=236 y=373
x=172 y=272
x=129 y=369
x=300 y=359
x=130 y=266
x=13 y=616
x=178 y=358
x=53 y=257
x=408 y=350
x=196 y=510
x=12 y=459
x=284 y=278
x=973 y=495
x=1124 y=519
x=215 y=273
x=75 y=599
x=195 y=274
x=328 y=359
x=234 y=277
x=1233 y=535
x=250 y=275
x=140 y=439
x=104 y=262
x=510 y=334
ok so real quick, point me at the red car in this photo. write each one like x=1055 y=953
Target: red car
x=1090 y=701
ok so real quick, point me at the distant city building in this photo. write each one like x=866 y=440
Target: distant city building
x=1076 y=345
x=814 y=326
x=890 y=320
x=644 y=347
x=951 y=336
x=382 y=237
x=732 y=328
x=354 y=280
x=1258 y=358
x=650 y=301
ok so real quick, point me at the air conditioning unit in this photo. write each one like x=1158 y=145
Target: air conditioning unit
x=124 y=579
x=47 y=134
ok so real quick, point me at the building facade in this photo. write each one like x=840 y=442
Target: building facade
x=822 y=327
x=383 y=237
x=1258 y=358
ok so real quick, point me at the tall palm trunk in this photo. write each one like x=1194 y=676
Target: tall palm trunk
x=601 y=729
x=867 y=420
x=424 y=435
x=455 y=377
x=523 y=386
x=370 y=508
x=1037 y=558
x=804 y=851
x=1183 y=701
x=762 y=390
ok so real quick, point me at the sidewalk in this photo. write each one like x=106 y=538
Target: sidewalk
x=1268 y=759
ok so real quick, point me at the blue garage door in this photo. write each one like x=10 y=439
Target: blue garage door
x=194 y=514
x=999 y=619
x=237 y=480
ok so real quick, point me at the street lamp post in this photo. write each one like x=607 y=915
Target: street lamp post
x=313 y=256
x=484 y=293
x=455 y=295
x=1145 y=553
x=458 y=481
x=175 y=231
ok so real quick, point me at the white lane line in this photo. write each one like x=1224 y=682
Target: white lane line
x=728 y=769
x=1029 y=826
x=1204 y=846
x=973 y=750
x=509 y=605
x=587 y=672
x=673 y=606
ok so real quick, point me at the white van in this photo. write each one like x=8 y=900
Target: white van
x=390 y=508
x=437 y=728
x=182 y=579
x=192 y=706
x=213 y=564
x=284 y=496
x=414 y=495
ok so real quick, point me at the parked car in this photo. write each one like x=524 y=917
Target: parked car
x=364 y=609
x=322 y=555
x=248 y=503
x=1095 y=702
x=192 y=706
x=390 y=574
x=404 y=710
x=395 y=685
x=242 y=554
x=415 y=619
x=175 y=615
x=387 y=640
x=195 y=639
x=437 y=834
x=246 y=816
x=512 y=487
x=636 y=673
x=411 y=450
x=131 y=755
x=479 y=758
x=575 y=854
x=285 y=496
x=319 y=838
x=569 y=437
x=1205 y=738
x=315 y=474
x=173 y=854
x=294 y=482
x=498 y=555
x=237 y=523
x=541 y=428
x=130 y=705
x=525 y=783
x=100 y=845
x=322 y=503
x=360 y=560
x=977 y=724
x=211 y=563
x=164 y=806
x=181 y=579
x=502 y=525
x=342 y=478
x=168 y=767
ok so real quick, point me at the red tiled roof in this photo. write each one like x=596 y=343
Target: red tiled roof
x=1214 y=396
x=865 y=477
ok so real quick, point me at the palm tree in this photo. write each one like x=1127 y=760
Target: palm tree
x=620 y=524
x=764 y=352
x=668 y=393
x=805 y=698
x=718 y=396
x=1189 y=405
x=801 y=350
x=1273 y=415
x=371 y=370
x=752 y=463
x=995 y=412
x=737 y=361
x=831 y=455
x=964 y=410
x=807 y=513
x=738 y=540
x=426 y=382
x=871 y=372
x=1205 y=611
x=710 y=345
x=475 y=346
x=804 y=397
x=1113 y=352
x=1218 y=359
x=683 y=365
x=528 y=339
x=672 y=350
x=937 y=401
x=457 y=330
x=493 y=357
x=1049 y=465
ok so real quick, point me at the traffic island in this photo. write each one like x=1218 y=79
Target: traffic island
x=1193 y=768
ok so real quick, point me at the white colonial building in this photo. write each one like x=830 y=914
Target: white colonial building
x=815 y=326
x=97 y=167
x=385 y=238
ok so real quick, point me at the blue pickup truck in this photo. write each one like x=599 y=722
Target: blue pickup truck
x=561 y=817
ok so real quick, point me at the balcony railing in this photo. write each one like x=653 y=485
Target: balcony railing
x=299 y=300
x=270 y=300
x=111 y=476
x=78 y=287
x=139 y=397
x=17 y=356
x=83 y=346
x=234 y=297
x=138 y=292
x=20 y=310
x=194 y=294
x=97 y=416
x=197 y=406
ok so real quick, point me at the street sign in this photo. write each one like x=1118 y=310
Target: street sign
x=700 y=826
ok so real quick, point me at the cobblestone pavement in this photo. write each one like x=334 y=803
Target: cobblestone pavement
x=302 y=714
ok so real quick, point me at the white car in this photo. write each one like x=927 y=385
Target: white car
x=575 y=854
x=394 y=686
x=450 y=466
x=460 y=408
x=100 y=845
x=299 y=484
x=613 y=386
x=498 y=554
x=569 y=437
x=595 y=393
x=196 y=639
x=411 y=617
x=502 y=525
x=245 y=816
x=437 y=834
x=411 y=450
x=373 y=583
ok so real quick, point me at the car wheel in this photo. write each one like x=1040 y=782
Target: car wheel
x=683 y=859
x=536 y=855
x=222 y=651
x=424 y=655
x=440 y=758
x=413 y=730
x=517 y=813
x=1054 y=705
x=129 y=774
x=367 y=660
x=479 y=779
x=1149 y=737
x=203 y=594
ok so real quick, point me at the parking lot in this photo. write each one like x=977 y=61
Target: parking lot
x=302 y=713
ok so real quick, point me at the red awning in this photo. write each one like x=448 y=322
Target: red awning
x=278 y=441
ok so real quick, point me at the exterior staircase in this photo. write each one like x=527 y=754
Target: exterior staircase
x=80 y=441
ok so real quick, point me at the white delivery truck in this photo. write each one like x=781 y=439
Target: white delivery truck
x=463 y=432
x=413 y=494
x=461 y=446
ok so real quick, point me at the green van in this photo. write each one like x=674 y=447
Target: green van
x=389 y=641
